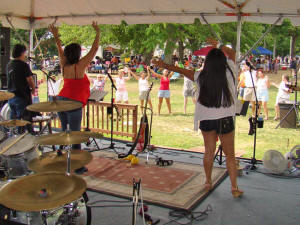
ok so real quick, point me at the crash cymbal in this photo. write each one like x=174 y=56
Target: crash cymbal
x=62 y=138
x=89 y=134
x=53 y=162
x=42 y=191
x=14 y=123
x=4 y=95
x=55 y=106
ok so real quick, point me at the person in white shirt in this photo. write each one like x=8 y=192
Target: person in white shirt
x=143 y=87
x=249 y=94
x=121 y=93
x=188 y=91
x=262 y=86
x=53 y=87
x=283 y=95
x=215 y=108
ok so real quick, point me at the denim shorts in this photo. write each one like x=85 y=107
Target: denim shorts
x=221 y=126
x=262 y=95
x=164 y=93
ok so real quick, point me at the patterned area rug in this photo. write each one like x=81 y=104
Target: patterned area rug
x=178 y=186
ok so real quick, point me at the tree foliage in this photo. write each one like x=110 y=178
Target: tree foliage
x=144 y=38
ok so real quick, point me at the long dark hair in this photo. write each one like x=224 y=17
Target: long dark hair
x=72 y=52
x=214 y=90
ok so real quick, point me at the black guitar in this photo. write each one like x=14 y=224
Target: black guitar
x=142 y=138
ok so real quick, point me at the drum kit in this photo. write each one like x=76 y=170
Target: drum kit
x=40 y=188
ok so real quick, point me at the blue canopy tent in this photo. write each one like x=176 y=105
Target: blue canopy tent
x=261 y=51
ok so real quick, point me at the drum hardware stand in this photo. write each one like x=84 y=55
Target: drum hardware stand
x=220 y=159
x=135 y=199
x=253 y=161
x=295 y=105
x=88 y=125
x=52 y=116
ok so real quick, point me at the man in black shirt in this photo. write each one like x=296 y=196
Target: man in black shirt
x=20 y=82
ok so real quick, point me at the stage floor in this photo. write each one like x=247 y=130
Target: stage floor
x=267 y=200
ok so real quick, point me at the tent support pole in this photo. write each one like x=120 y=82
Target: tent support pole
x=31 y=51
x=211 y=28
x=238 y=43
x=259 y=40
x=16 y=32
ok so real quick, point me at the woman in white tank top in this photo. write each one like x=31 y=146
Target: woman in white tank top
x=262 y=86
x=143 y=87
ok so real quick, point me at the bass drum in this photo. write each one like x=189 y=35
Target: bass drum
x=5 y=112
x=74 y=213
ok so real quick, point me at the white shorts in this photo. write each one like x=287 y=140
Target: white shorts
x=121 y=96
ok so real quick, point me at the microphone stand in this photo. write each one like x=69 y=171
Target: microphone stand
x=111 y=110
x=253 y=159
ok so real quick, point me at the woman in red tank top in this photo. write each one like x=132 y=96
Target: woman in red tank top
x=76 y=83
x=164 y=90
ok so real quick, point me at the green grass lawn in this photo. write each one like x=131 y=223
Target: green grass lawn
x=176 y=130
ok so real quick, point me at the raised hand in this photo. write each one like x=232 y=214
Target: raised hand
x=212 y=41
x=53 y=30
x=96 y=27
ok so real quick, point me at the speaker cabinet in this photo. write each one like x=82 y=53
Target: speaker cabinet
x=290 y=120
x=4 y=54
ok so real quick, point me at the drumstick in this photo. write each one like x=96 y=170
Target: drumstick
x=5 y=148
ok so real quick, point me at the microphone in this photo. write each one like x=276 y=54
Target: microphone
x=250 y=65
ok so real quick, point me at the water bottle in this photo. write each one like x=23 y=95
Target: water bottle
x=260 y=121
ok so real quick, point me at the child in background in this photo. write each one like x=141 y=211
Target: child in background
x=283 y=95
x=35 y=96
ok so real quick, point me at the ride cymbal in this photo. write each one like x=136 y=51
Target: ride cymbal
x=62 y=138
x=53 y=162
x=4 y=95
x=42 y=191
x=55 y=106
x=14 y=123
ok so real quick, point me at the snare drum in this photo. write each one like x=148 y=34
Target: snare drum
x=74 y=213
x=15 y=159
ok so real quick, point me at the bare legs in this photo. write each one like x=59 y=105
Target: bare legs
x=265 y=107
x=168 y=104
x=185 y=103
x=160 y=100
x=253 y=108
x=227 y=141
x=276 y=112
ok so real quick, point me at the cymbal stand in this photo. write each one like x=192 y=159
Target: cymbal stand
x=220 y=159
x=88 y=125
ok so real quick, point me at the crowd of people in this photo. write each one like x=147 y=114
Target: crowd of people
x=210 y=82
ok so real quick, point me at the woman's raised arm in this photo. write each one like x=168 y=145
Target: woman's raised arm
x=188 y=73
x=85 y=61
x=54 y=31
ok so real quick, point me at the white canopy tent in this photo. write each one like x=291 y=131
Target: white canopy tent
x=29 y=14
x=33 y=14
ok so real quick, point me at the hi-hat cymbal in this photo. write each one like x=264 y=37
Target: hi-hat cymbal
x=42 y=191
x=55 y=106
x=14 y=123
x=52 y=162
x=62 y=138
x=4 y=95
